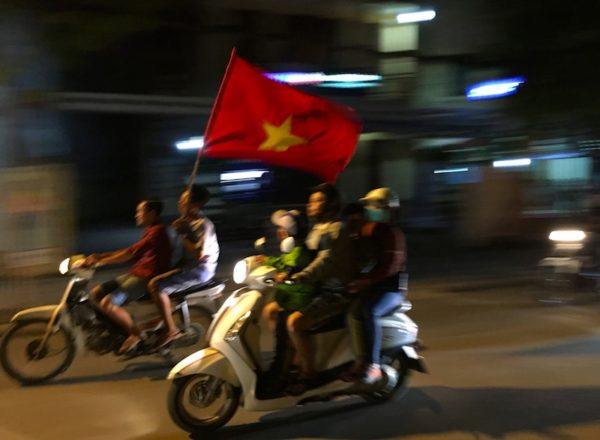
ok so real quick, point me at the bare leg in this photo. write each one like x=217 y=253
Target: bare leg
x=298 y=326
x=122 y=318
x=163 y=302
x=119 y=316
x=270 y=313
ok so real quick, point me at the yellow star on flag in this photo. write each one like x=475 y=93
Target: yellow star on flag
x=280 y=138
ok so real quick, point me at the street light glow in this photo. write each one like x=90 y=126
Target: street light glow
x=193 y=143
x=451 y=170
x=415 y=17
x=298 y=78
x=237 y=176
x=525 y=162
x=340 y=80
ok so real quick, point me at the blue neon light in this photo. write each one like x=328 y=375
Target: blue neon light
x=494 y=89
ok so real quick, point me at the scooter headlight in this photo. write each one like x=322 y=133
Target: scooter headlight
x=568 y=236
x=240 y=272
x=64 y=266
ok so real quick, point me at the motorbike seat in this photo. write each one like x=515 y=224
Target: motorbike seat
x=181 y=294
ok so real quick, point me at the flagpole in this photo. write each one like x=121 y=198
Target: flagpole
x=210 y=118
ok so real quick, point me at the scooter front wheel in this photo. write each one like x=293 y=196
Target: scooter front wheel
x=24 y=360
x=202 y=403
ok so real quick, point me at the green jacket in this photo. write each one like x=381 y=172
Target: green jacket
x=297 y=296
x=291 y=262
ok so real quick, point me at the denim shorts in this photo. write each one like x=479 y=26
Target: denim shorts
x=125 y=289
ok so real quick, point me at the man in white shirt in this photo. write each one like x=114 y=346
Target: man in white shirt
x=198 y=264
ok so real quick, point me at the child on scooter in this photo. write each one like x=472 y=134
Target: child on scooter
x=289 y=297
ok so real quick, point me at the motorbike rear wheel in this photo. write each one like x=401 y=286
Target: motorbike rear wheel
x=193 y=338
x=59 y=349
x=191 y=393
x=399 y=364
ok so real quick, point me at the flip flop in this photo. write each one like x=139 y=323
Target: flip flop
x=169 y=339
x=130 y=344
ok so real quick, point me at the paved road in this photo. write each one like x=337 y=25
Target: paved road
x=502 y=366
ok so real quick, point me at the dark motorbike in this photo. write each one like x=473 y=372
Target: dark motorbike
x=42 y=342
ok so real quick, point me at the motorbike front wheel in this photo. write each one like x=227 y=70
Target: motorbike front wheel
x=202 y=403
x=22 y=359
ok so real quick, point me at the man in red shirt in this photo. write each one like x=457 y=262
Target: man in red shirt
x=151 y=256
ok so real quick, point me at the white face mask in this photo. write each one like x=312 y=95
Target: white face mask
x=287 y=245
x=377 y=215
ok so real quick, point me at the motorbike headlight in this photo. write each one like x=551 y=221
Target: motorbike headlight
x=570 y=236
x=234 y=330
x=240 y=272
x=64 y=265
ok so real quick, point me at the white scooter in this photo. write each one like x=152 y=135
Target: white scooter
x=209 y=384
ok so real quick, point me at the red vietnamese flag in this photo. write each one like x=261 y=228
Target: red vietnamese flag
x=255 y=117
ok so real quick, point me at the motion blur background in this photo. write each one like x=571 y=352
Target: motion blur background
x=103 y=102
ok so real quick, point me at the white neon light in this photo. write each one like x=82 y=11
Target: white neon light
x=345 y=85
x=306 y=78
x=567 y=235
x=298 y=77
x=512 y=163
x=351 y=77
x=415 y=17
x=193 y=143
x=236 y=176
x=451 y=170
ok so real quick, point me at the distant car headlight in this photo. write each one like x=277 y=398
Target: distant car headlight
x=240 y=272
x=63 y=267
x=571 y=236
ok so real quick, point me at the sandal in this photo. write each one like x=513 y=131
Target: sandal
x=169 y=339
x=130 y=344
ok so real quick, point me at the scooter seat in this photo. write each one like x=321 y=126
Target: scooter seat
x=336 y=322
x=404 y=307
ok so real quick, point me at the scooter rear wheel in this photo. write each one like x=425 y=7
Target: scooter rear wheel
x=189 y=396
x=399 y=364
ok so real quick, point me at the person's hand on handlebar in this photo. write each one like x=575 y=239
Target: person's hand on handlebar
x=281 y=277
x=91 y=260
x=298 y=277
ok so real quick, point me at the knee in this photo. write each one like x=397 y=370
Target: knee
x=270 y=312
x=153 y=288
x=295 y=323
x=105 y=303
x=97 y=294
